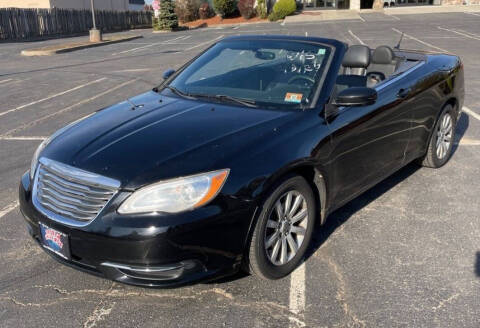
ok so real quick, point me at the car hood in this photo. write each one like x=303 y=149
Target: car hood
x=153 y=137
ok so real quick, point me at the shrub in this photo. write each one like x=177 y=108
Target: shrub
x=224 y=7
x=282 y=9
x=187 y=10
x=246 y=8
x=262 y=9
x=167 y=19
x=205 y=11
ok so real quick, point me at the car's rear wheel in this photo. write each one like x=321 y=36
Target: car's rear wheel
x=283 y=230
x=441 y=142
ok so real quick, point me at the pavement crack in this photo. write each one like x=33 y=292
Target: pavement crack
x=444 y=302
x=341 y=295
x=101 y=311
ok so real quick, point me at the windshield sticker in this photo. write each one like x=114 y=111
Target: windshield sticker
x=321 y=51
x=293 y=97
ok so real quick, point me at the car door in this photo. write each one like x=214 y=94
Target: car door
x=369 y=142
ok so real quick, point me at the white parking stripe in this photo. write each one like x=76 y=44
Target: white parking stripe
x=51 y=97
x=22 y=138
x=356 y=37
x=297 y=297
x=459 y=33
x=149 y=45
x=32 y=123
x=5 y=81
x=361 y=18
x=394 y=17
x=420 y=41
x=7 y=209
x=470 y=33
x=205 y=43
x=471 y=112
x=469 y=142
x=475 y=14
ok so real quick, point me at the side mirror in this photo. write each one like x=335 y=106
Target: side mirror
x=168 y=73
x=356 y=96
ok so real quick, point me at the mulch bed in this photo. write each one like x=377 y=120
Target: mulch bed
x=217 y=20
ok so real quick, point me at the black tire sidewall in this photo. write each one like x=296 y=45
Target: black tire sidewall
x=448 y=109
x=268 y=269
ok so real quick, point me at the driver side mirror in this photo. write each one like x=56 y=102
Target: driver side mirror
x=356 y=96
x=168 y=73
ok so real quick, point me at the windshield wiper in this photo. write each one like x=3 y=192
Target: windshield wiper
x=179 y=93
x=241 y=101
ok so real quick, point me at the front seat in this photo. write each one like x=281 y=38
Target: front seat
x=355 y=63
x=383 y=64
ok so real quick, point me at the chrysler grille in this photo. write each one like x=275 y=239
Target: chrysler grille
x=70 y=195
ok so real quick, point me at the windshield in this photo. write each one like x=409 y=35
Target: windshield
x=271 y=73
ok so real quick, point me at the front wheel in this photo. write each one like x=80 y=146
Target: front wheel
x=283 y=230
x=441 y=143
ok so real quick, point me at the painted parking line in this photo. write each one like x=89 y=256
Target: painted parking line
x=470 y=33
x=149 y=45
x=394 y=17
x=35 y=122
x=7 y=209
x=5 y=81
x=419 y=41
x=22 y=138
x=296 y=303
x=205 y=43
x=469 y=142
x=474 y=14
x=471 y=113
x=459 y=33
x=51 y=96
x=356 y=37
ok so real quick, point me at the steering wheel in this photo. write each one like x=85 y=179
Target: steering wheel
x=306 y=79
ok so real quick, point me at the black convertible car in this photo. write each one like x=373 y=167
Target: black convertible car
x=234 y=158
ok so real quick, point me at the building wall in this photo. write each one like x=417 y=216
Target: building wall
x=24 y=3
x=119 y=5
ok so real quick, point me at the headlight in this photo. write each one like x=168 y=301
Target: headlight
x=176 y=195
x=33 y=165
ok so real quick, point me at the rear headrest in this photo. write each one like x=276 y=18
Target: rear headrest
x=357 y=56
x=383 y=55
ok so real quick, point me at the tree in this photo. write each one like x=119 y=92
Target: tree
x=167 y=19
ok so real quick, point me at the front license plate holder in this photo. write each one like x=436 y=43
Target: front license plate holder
x=55 y=241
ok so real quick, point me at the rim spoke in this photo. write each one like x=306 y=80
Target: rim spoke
x=276 y=248
x=288 y=203
x=298 y=230
x=271 y=240
x=272 y=224
x=292 y=243
x=439 y=139
x=300 y=216
x=296 y=204
x=279 y=210
x=283 y=255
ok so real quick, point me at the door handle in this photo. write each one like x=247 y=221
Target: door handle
x=403 y=93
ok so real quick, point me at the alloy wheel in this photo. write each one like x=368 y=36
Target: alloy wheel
x=286 y=227
x=444 y=136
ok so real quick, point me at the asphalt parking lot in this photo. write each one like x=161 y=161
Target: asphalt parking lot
x=404 y=254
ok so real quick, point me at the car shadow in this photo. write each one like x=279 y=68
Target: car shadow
x=477 y=264
x=462 y=126
x=341 y=215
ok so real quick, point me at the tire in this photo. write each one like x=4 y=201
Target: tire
x=438 y=152
x=274 y=230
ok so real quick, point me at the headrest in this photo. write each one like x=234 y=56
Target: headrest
x=383 y=55
x=357 y=56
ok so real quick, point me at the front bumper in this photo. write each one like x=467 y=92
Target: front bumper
x=152 y=250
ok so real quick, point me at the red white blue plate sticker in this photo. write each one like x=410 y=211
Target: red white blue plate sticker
x=293 y=97
x=55 y=241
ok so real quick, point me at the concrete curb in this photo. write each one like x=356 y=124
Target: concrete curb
x=65 y=49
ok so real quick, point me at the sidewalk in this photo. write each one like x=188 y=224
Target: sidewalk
x=327 y=15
